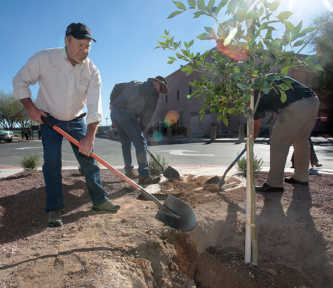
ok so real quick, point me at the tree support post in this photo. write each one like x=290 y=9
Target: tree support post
x=251 y=243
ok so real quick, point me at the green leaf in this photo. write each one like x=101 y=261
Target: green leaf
x=201 y=4
x=191 y=4
x=308 y=30
x=179 y=5
x=204 y=36
x=284 y=15
x=285 y=70
x=283 y=97
x=197 y=14
x=275 y=5
x=242 y=86
x=268 y=34
x=225 y=121
x=187 y=69
x=179 y=56
x=175 y=13
x=208 y=29
x=299 y=26
x=289 y=26
x=211 y=5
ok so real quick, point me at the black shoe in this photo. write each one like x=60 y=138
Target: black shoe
x=147 y=180
x=131 y=174
x=291 y=180
x=267 y=189
x=54 y=218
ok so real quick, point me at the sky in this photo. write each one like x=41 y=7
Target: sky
x=126 y=31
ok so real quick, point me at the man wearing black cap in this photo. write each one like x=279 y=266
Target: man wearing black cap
x=132 y=106
x=68 y=82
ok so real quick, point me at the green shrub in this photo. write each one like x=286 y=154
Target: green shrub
x=30 y=162
x=156 y=169
x=257 y=165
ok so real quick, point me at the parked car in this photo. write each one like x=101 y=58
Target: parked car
x=6 y=135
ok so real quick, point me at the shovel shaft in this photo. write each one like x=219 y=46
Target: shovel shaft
x=105 y=163
x=221 y=182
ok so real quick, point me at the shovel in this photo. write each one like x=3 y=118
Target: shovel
x=170 y=173
x=221 y=182
x=174 y=212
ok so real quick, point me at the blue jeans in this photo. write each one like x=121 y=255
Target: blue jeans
x=130 y=131
x=52 y=141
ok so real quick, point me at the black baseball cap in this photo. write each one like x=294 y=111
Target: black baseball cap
x=79 y=31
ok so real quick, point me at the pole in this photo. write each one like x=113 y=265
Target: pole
x=251 y=246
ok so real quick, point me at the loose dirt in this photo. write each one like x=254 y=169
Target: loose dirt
x=133 y=249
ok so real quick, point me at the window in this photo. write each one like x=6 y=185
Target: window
x=166 y=98
x=178 y=95
x=189 y=90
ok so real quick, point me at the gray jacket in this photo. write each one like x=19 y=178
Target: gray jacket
x=137 y=98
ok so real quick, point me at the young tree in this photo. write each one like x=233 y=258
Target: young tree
x=11 y=111
x=249 y=48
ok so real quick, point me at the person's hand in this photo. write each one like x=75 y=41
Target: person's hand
x=86 y=146
x=33 y=112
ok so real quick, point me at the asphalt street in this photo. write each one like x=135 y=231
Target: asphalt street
x=198 y=154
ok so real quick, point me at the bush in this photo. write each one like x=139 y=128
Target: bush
x=257 y=165
x=156 y=169
x=30 y=162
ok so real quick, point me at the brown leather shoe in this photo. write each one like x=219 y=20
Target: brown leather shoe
x=291 y=180
x=267 y=188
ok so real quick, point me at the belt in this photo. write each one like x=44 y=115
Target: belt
x=80 y=116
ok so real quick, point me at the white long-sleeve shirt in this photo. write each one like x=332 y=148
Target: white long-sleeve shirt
x=64 y=89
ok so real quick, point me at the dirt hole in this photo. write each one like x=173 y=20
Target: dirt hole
x=225 y=267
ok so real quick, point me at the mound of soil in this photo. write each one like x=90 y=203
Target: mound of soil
x=133 y=249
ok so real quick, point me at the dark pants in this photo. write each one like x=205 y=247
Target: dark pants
x=130 y=132
x=52 y=141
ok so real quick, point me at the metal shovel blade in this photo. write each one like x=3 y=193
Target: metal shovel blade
x=171 y=173
x=177 y=214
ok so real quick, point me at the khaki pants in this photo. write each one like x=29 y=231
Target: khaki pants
x=293 y=126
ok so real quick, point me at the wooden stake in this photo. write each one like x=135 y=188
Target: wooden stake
x=251 y=246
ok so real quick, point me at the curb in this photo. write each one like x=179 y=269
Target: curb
x=197 y=170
